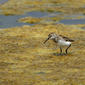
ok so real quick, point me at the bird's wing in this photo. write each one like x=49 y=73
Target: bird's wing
x=66 y=38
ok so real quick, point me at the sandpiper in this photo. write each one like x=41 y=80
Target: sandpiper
x=60 y=40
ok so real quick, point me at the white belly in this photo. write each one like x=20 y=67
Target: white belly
x=62 y=42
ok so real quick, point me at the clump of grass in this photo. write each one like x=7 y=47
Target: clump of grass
x=31 y=20
x=50 y=10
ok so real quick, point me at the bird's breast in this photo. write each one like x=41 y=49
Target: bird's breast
x=62 y=42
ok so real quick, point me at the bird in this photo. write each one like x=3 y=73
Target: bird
x=60 y=40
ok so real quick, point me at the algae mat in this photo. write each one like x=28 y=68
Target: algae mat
x=25 y=60
x=19 y=7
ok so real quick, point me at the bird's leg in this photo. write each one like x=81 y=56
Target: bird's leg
x=60 y=50
x=67 y=48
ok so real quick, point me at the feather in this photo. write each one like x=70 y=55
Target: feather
x=66 y=38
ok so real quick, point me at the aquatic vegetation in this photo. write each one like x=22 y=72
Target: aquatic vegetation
x=20 y=7
x=25 y=60
x=34 y=20
x=30 y=20
x=25 y=57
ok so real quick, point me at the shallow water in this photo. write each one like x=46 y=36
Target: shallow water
x=11 y=20
x=73 y=21
x=3 y=1
x=73 y=16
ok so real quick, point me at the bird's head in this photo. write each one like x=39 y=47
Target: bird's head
x=51 y=36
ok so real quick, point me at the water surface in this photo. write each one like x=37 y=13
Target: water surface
x=3 y=1
x=73 y=21
x=11 y=20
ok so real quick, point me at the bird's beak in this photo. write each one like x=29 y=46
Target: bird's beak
x=46 y=40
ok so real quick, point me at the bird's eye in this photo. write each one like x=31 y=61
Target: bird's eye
x=49 y=35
